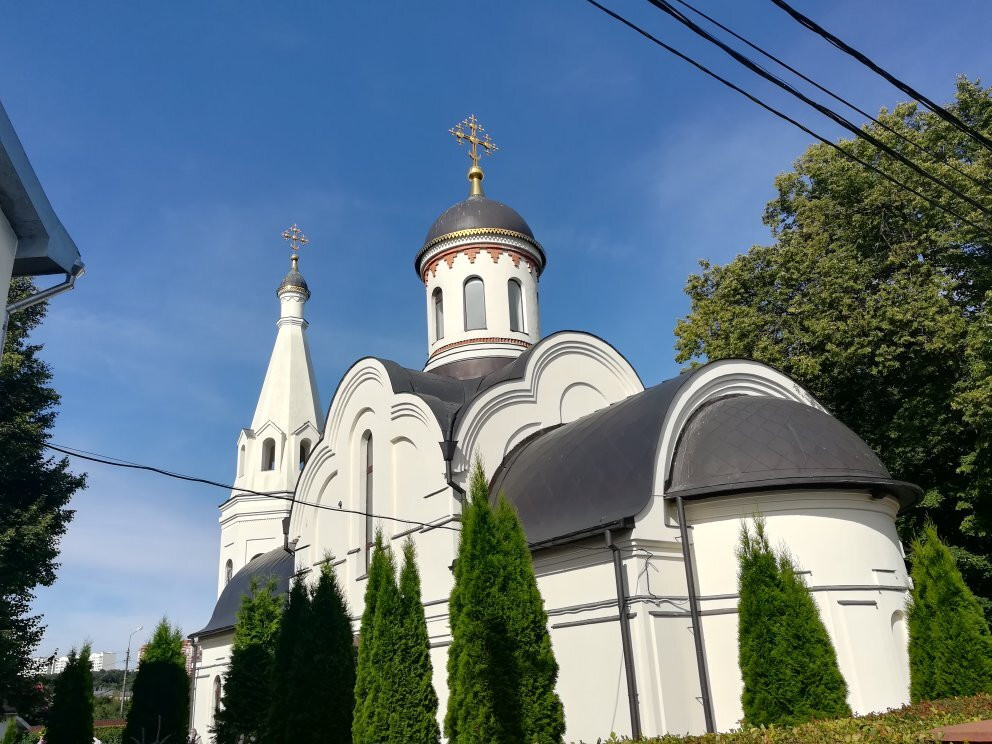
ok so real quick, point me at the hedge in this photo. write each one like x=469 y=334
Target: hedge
x=903 y=726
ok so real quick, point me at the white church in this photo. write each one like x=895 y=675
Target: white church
x=631 y=495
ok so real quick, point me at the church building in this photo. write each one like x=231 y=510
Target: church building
x=631 y=493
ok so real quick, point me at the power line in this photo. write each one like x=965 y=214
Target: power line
x=904 y=87
x=283 y=495
x=666 y=7
x=936 y=157
x=785 y=117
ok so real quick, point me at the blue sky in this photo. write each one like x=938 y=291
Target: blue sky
x=177 y=140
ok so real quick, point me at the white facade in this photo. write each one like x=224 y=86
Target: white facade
x=378 y=453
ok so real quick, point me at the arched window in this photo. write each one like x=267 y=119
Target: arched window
x=367 y=493
x=241 y=461
x=475 y=304
x=304 y=452
x=438 y=298
x=228 y=571
x=516 y=298
x=217 y=694
x=269 y=454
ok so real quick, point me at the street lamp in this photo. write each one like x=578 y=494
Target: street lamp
x=127 y=661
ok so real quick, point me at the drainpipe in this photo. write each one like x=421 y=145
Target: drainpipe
x=77 y=271
x=448 y=447
x=696 y=617
x=628 y=651
x=192 y=683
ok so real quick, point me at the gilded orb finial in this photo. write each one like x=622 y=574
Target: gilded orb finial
x=296 y=239
x=476 y=139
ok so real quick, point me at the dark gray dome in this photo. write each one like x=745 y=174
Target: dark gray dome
x=294 y=279
x=276 y=564
x=477 y=212
x=752 y=443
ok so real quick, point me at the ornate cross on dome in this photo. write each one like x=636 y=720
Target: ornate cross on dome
x=296 y=239
x=476 y=140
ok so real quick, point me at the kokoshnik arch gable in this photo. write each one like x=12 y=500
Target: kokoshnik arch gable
x=630 y=496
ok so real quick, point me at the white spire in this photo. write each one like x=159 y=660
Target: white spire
x=286 y=425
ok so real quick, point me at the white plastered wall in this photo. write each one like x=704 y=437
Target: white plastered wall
x=8 y=248
x=215 y=655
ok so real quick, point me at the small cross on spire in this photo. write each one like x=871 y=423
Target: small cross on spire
x=476 y=140
x=296 y=239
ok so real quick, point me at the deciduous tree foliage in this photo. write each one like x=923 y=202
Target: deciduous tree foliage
x=950 y=648
x=788 y=664
x=501 y=670
x=71 y=718
x=879 y=303
x=247 y=686
x=35 y=489
x=160 y=697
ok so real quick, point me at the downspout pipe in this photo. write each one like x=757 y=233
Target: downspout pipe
x=78 y=269
x=696 y=618
x=448 y=447
x=628 y=650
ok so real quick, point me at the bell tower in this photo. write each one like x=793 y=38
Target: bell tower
x=480 y=264
x=286 y=425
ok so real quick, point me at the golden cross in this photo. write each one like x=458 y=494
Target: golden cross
x=295 y=237
x=473 y=138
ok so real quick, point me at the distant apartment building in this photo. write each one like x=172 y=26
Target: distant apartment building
x=99 y=661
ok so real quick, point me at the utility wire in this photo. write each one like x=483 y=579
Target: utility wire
x=937 y=157
x=904 y=87
x=666 y=7
x=284 y=495
x=785 y=117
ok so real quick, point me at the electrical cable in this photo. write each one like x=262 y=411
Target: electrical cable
x=904 y=87
x=936 y=157
x=666 y=7
x=785 y=117
x=284 y=495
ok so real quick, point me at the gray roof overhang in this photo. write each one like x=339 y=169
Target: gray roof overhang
x=43 y=245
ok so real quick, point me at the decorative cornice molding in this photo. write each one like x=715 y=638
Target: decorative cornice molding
x=483 y=239
x=484 y=340
x=472 y=251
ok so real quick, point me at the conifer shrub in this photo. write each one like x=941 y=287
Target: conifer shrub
x=787 y=662
x=160 y=696
x=333 y=659
x=366 y=675
x=950 y=648
x=501 y=668
x=247 y=685
x=291 y=717
x=414 y=720
x=70 y=719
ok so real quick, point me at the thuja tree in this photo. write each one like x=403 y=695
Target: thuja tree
x=414 y=718
x=290 y=718
x=367 y=678
x=247 y=686
x=788 y=665
x=70 y=720
x=333 y=660
x=36 y=490
x=950 y=648
x=501 y=670
x=160 y=697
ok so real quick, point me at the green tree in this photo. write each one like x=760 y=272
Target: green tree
x=950 y=648
x=333 y=658
x=501 y=669
x=71 y=718
x=290 y=717
x=367 y=676
x=36 y=490
x=414 y=717
x=383 y=699
x=160 y=699
x=879 y=303
x=245 y=702
x=788 y=664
